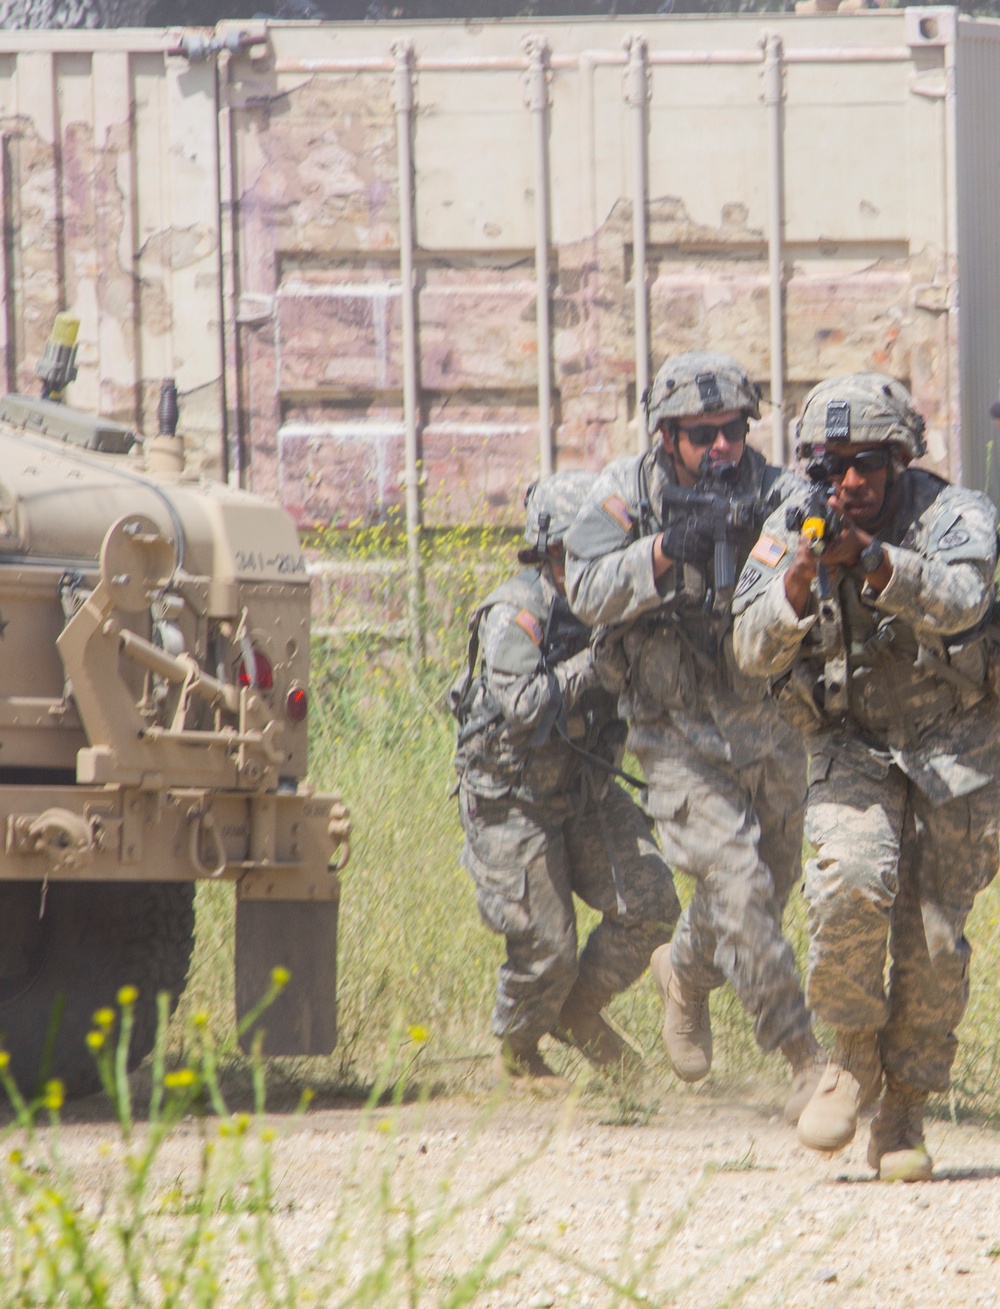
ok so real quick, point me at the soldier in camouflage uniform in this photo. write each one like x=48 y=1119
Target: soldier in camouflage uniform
x=875 y=626
x=653 y=558
x=543 y=819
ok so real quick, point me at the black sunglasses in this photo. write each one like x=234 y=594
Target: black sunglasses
x=703 y=435
x=865 y=461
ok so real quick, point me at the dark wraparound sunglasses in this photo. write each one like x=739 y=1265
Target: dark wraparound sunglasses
x=705 y=434
x=865 y=461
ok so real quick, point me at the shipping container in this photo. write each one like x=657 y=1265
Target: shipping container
x=401 y=268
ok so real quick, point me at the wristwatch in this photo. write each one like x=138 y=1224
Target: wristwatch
x=871 y=557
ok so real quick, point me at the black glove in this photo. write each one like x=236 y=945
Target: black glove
x=688 y=542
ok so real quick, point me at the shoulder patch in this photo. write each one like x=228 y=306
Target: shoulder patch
x=615 y=507
x=769 y=551
x=747 y=579
x=530 y=624
x=953 y=539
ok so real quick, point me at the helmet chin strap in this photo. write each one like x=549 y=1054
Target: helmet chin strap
x=890 y=497
x=544 y=521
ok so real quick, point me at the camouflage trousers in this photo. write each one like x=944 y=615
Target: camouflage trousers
x=738 y=832
x=528 y=863
x=891 y=868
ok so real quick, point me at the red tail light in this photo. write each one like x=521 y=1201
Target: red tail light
x=265 y=673
x=296 y=704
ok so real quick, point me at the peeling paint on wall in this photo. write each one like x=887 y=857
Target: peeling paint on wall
x=114 y=150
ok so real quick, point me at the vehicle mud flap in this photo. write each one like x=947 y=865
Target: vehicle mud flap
x=301 y=936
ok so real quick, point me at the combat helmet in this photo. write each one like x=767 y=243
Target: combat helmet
x=551 y=505
x=697 y=383
x=861 y=408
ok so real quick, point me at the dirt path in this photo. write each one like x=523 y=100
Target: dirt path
x=706 y=1204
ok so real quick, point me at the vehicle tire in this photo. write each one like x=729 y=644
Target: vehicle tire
x=67 y=951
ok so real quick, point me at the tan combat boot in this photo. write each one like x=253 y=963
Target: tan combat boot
x=581 y=1024
x=524 y=1068
x=896 y=1147
x=808 y=1060
x=830 y=1119
x=687 y=1027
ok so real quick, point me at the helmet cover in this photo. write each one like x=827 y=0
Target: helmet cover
x=551 y=505
x=862 y=409
x=697 y=384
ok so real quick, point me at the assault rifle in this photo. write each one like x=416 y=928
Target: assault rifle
x=726 y=515
x=816 y=520
x=565 y=635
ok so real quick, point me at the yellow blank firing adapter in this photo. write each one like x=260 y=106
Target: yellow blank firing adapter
x=58 y=364
x=814 y=528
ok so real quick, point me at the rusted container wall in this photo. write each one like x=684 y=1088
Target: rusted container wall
x=235 y=222
x=977 y=206
x=108 y=151
x=860 y=264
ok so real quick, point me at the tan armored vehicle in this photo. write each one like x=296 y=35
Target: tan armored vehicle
x=154 y=651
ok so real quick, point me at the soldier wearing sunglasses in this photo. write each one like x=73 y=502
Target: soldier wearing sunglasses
x=725 y=773
x=879 y=641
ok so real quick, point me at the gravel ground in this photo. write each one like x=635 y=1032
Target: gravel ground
x=705 y=1203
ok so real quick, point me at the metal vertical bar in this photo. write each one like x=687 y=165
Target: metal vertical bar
x=7 y=329
x=40 y=230
x=537 y=87
x=588 y=146
x=773 y=100
x=637 y=96
x=404 y=102
x=233 y=437
x=114 y=145
x=957 y=468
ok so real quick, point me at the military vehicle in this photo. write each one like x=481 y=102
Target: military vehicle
x=154 y=653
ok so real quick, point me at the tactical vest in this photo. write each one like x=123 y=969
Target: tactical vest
x=492 y=755
x=559 y=753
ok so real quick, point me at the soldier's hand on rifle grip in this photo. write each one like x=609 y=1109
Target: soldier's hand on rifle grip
x=688 y=541
x=799 y=575
x=846 y=546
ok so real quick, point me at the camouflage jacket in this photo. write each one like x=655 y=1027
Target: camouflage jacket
x=903 y=676
x=664 y=646
x=536 y=691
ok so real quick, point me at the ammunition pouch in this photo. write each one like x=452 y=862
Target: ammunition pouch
x=610 y=659
x=662 y=663
x=796 y=699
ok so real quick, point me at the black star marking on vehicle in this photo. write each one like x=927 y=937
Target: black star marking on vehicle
x=4 y=624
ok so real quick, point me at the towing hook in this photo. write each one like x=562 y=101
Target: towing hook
x=202 y=823
x=65 y=837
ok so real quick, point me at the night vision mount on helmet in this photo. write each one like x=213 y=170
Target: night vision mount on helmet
x=862 y=409
x=550 y=508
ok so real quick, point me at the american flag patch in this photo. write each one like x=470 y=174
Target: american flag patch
x=531 y=625
x=617 y=509
x=768 y=551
